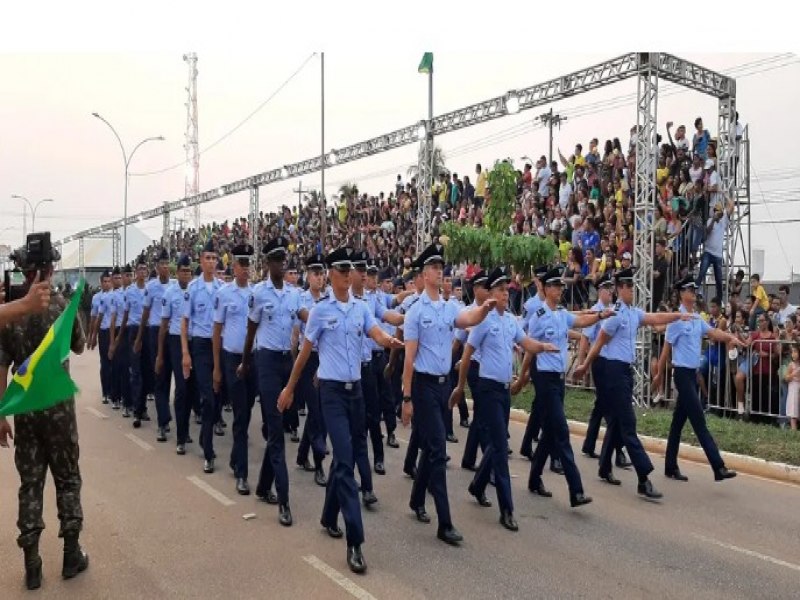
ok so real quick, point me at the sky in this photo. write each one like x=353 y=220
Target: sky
x=52 y=147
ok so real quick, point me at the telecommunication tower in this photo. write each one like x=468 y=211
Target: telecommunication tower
x=192 y=187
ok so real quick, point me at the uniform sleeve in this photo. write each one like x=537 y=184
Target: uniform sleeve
x=254 y=312
x=101 y=307
x=186 y=305
x=590 y=332
x=95 y=304
x=411 y=324
x=219 y=308
x=570 y=319
x=380 y=309
x=611 y=325
x=126 y=302
x=477 y=334
x=461 y=335
x=166 y=307
x=519 y=334
x=147 y=300
x=673 y=333
x=705 y=327
x=369 y=319
x=640 y=314
x=313 y=325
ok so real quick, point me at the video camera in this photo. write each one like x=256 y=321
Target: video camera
x=37 y=254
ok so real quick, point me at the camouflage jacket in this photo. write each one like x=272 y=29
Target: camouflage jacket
x=19 y=340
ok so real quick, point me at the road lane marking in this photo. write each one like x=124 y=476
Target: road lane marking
x=753 y=553
x=339 y=579
x=95 y=412
x=138 y=441
x=218 y=496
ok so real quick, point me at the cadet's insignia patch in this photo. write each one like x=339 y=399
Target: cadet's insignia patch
x=186 y=296
x=251 y=301
x=216 y=303
x=540 y=312
x=163 y=302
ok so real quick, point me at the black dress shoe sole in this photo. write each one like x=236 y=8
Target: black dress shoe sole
x=268 y=499
x=452 y=540
x=578 y=503
x=590 y=454
x=611 y=480
x=380 y=471
x=511 y=526
x=422 y=517
x=243 y=492
x=336 y=533
x=676 y=476
x=544 y=493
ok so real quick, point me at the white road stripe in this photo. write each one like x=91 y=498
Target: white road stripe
x=218 y=496
x=338 y=578
x=95 y=412
x=753 y=553
x=138 y=441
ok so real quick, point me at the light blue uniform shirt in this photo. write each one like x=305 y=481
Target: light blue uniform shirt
x=432 y=324
x=95 y=304
x=172 y=306
x=462 y=335
x=104 y=309
x=622 y=328
x=552 y=326
x=230 y=309
x=593 y=331
x=307 y=301
x=338 y=329
x=153 y=293
x=199 y=306
x=407 y=303
x=117 y=305
x=496 y=336
x=134 y=304
x=386 y=299
x=275 y=312
x=686 y=339
x=377 y=309
x=529 y=309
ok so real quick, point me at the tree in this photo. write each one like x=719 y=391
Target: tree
x=495 y=243
x=349 y=191
x=438 y=164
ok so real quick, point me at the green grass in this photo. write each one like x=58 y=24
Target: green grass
x=762 y=441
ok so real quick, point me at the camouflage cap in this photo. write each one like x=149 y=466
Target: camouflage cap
x=20 y=258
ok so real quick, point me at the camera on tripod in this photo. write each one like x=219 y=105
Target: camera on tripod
x=36 y=255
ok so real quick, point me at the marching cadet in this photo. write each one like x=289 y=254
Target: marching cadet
x=169 y=359
x=337 y=324
x=99 y=334
x=131 y=322
x=119 y=392
x=428 y=330
x=147 y=341
x=495 y=337
x=616 y=342
x=291 y=276
x=684 y=344
x=198 y=325
x=449 y=295
x=314 y=428
x=291 y=417
x=551 y=324
x=230 y=331
x=605 y=290
x=222 y=393
x=274 y=310
x=480 y=292
x=219 y=272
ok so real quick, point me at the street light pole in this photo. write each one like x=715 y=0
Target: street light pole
x=27 y=204
x=127 y=159
x=33 y=217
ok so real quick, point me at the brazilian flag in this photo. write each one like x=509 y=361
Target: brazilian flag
x=41 y=381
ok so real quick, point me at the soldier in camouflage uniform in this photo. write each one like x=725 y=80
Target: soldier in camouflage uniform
x=45 y=439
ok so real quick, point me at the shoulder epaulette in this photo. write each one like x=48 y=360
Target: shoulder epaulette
x=321 y=298
x=617 y=305
x=540 y=312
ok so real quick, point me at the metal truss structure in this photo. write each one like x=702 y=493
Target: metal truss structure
x=191 y=144
x=648 y=67
x=115 y=247
x=425 y=177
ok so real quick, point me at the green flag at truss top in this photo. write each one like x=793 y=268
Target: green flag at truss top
x=41 y=381
x=426 y=64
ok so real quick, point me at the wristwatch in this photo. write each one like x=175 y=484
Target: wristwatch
x=406 y=399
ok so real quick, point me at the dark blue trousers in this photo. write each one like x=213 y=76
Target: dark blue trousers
x=103 y=343
x=313 y=438
x=372 y=407
x=120 y=372
x=162 y=380
x=242 y=393
x=137 y=370
x=598 y=410
x=494 y=408
x=534 y=425
x=385 y=391
x=688 y=406
x=430 y=395
x=183 y=389
x=273 y=370
x=203 y=369
x=617 y=388
x=343 y=412
x=470 y=457
x=148 y=362
x=555 y=432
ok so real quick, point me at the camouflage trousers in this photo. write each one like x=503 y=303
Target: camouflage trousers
x=48 y=439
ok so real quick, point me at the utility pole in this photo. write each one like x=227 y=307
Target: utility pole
x=550 y=119
x=299 y=191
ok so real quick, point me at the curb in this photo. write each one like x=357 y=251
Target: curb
x=739 y=462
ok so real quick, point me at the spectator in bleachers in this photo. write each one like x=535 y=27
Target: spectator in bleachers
x=701 y=139
x=716 y=227
x=785 y=308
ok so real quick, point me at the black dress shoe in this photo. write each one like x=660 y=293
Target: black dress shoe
x=294 y=437
x=724 y=473
x=189 y=439
x=579 y=500
x=609 y=478
x=450 y=535
x=480 y=497
x=218 y=430
x=284 y=515
x=452 y=438
x=472 y=468
x=540 y=490
x=391 y=441
x=242 y=487
x=555 y=467
x=145 y=416
x=675 y=474
x=319 y=477
x=332 y=530
x=622 y=461
x=355 y=560
x=115 y=405
x=126 y=414
x=526 y=452
x=421 y=514
x=167 y=428
x=507 y=520
x=646 y=488
x=509 y=451
x=180 y=450
x=227 y=408
x=306 y=465
x=412 y=472
x=208 y=466
x=301 y=412
x=464 y=423
x=223 y=423
x=369 y=498
x=269 y=498
x=198 y=420
x=590 y=453
x=162 y=435
x=379 y=468
x=105 y=400
x=137 y=423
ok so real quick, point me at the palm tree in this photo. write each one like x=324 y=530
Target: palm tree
x=349 y=190
x=438 y=164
